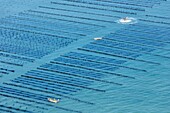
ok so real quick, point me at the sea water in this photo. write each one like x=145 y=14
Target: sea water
x=140 y=84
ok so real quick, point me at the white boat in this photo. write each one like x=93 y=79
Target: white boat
x=127 y=20
x=53 y=100
x=98 y=38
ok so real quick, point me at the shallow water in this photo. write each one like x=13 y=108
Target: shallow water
x=47 y=50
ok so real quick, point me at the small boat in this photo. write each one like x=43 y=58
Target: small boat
x=98 y=38
x=125 y=20
x=53 y=100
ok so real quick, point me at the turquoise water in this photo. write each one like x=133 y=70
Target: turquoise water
x=47 y=50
